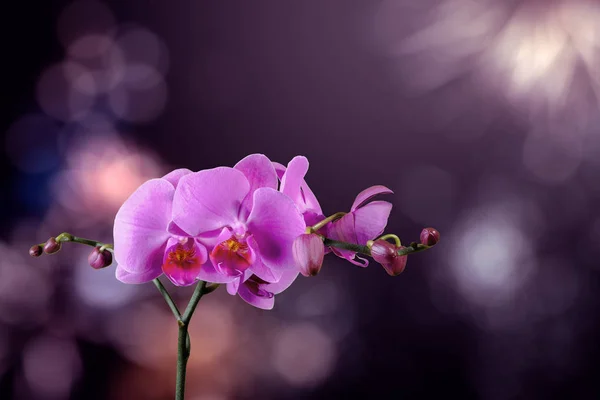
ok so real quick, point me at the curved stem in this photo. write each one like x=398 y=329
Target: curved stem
x=168 y=299
x=327 y=220
x=414 y=247
x=67 y=237
x=391 y=236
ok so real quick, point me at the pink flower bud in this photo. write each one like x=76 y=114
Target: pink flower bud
x=35 y=251
x=430 y=236
x=386 y=254
x=51 y=246
x=308 y=250
x=100 y=259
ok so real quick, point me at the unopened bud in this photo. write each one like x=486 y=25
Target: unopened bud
x=51 y=246
x=386 y=254
x=430 y=236
x=100 y=259
x=36 y=250
x=308 y=250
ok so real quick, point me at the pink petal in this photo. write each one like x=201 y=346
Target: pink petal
x=260 y=172
x=258 y=268
x=250 y=292
x=310 y=199
x=287 y=278
x=208 y=273
x=371 y=220
x=275 y=222
x=174 y=176
x=209 y=200
x=368 y=194
x=183 y=261
x=127 y=277
x=344 y=231
x=140 y=229
x=279 y=169
x=233 y=286
x=351 y=256
x=293 y=178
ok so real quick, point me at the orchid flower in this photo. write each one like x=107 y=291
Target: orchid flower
x=365 y=221
x=147 y=244
x=246 y=224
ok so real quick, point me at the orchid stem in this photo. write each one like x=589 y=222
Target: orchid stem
x=316 y=227
x=412 y=248
x=67 y=237
x=183 y=341
x=168 y=299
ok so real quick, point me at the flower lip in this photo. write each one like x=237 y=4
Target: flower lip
x=232 y=256
x=183 y=260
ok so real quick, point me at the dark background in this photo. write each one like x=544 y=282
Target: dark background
x=488 y=133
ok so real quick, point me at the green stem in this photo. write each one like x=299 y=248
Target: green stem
x=391 y=236
x=347 y=246
x=67 y=237
x=327 y=220
x=183 y=342
x=168 y=299
x=412 y=248
x=182 y=358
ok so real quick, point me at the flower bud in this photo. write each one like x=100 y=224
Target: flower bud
x=308 y=250
x=100 y=259
x=51 y=246
x=430 y=236
x=386 y=254
x=35 y=250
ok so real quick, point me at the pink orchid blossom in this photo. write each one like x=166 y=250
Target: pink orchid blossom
x=246 y=224
x=146 y=242
x=365 y=221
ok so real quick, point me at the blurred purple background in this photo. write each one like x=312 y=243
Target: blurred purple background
x=482 y=116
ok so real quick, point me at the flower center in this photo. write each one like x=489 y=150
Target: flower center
x=182 y=257
x=232 y=256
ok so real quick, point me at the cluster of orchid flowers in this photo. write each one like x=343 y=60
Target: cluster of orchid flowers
x=254 y=227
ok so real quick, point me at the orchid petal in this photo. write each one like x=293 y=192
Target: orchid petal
x=279 y=169
x=250 y=292
x=260 y=172
x=287 y=278
x=175 y=230
x=233 y=286
x=293 y=178
x=275 y=222
x=174 y=176
x=351 y=256
x=209 y=200
x=182 y=262
x=343 y=229
x=128 y=277
x=258 y=267
x=310 y=199
x=368 y=194
x=140 y=229
x=209 y=273
x=371 y=220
